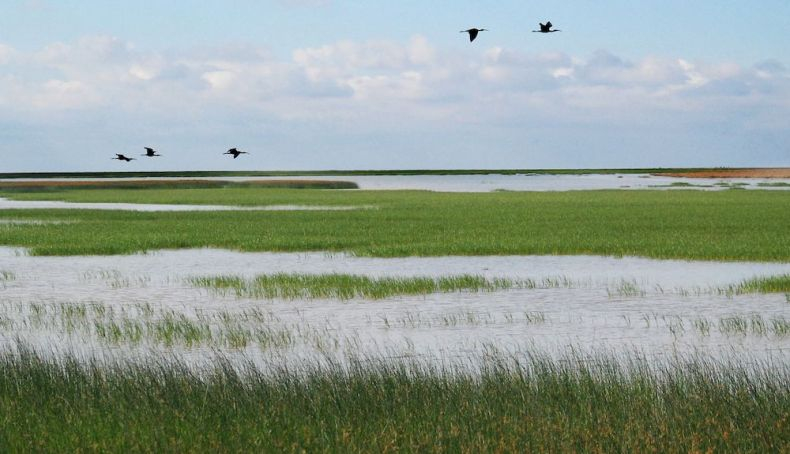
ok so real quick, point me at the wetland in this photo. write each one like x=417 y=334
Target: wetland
x=582 y=320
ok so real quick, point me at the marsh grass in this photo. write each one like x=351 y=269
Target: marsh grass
x=660 y=224
x=702 y=325
x=626 y=288
x=57 y=186
x=142 y=324
x=765 y=285
x=531 y=404
x=756 y=325
x=6 y=277
x=348 y=286
x=770 y=284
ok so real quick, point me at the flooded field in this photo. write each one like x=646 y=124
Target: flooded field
x=527 y=182
x=144 y=303
x=45 y=205
x=521 y=182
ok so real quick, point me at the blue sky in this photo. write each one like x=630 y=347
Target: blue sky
x=329 y=84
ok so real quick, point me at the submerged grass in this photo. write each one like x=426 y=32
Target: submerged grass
x=143 y=324
x=346 y=286
x=373 y=405
x=726 y=225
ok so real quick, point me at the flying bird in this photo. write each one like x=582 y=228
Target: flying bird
x=150 y=152
x=235 y=152
x=546 y=28
x=121 y=157
x=473 y=32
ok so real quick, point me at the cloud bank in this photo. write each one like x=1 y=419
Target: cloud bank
x=385 y=103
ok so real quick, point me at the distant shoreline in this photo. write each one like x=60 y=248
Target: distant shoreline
x=777 y=172
x=710 y=172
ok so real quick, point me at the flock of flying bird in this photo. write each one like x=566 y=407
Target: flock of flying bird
x=544 y=28
x=150 y=152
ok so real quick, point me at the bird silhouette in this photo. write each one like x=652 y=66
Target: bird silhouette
x=473 y=32
x=121 y=157
x=150 y=152
x=235 y=152
x=546 y=28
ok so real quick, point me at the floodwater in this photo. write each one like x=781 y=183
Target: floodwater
x=46 y=204
x=521 y=182
x=658 y=308
x=533 y=182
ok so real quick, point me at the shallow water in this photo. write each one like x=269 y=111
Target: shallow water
x=659 y=308
x=525 y=182
x=44 y=204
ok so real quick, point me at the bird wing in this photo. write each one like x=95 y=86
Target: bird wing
x=548 y=24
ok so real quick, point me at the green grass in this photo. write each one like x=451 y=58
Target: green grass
x=537 y=405
x=727 y=225
x=60 y=186
x=770 y=284
x=346 y=286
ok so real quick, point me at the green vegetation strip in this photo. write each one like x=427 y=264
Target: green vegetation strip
x=725 y=225
x=770 y=284
x=56 y=186
x=539 y=405
x=347 y=286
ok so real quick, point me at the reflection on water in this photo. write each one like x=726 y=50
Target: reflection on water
x=660 y=308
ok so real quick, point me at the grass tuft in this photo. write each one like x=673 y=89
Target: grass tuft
x=770 y=284
x=346 y=286
x=375 y=405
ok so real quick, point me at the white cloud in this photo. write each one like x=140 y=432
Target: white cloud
x=380 y=85
x=64 y=94
x=7 y=53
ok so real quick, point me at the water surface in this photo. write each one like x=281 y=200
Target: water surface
x=6 y=204
x=520 y=182
x=656 y=307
